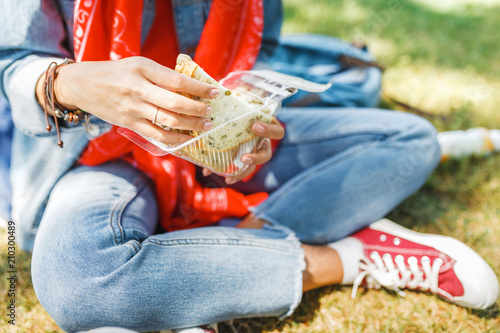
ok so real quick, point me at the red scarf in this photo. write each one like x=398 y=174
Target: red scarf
x=111 y=30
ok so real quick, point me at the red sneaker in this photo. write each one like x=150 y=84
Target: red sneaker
x=397 y=258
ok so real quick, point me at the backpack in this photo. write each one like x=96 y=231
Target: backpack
x=357 y=78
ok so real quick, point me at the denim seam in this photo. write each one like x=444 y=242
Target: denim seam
x=134 y=190
x=134 y=243
x=216 y=241
x=179 y=28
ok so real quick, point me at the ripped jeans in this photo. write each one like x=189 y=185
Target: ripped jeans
x=98 y=262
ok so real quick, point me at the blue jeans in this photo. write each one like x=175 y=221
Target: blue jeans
x=98 y=262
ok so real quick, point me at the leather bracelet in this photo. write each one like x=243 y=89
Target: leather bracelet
x=51 y=102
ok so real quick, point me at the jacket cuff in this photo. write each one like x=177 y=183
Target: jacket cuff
x=27 y=114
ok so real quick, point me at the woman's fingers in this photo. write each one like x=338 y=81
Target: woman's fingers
x=262 y=155
x=179 y=121
x=232 y=180
x=272 y=131
x=172 y=101
x=206 y=172
x=168 y=78
x=147 y=129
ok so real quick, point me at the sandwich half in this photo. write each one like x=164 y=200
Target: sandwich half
x=223 y=142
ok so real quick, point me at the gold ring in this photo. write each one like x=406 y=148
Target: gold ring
x=156 y=115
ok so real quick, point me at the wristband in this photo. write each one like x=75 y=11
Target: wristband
x=70 y=116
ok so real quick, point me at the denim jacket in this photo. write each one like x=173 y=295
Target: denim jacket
x=32 y=35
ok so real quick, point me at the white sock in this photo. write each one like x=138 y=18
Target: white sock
x=350 y=251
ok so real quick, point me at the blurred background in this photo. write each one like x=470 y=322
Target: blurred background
x=442 y=57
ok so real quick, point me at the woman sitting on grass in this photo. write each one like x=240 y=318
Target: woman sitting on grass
x=98 y=259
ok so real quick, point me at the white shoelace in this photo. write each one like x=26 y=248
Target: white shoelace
x=382 y=273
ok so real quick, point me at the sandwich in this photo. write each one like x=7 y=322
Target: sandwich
x=220 y=149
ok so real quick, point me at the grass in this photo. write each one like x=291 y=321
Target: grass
x=442 y=56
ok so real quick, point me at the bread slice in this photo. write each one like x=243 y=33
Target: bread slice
x=225 y=107
x=219 y=148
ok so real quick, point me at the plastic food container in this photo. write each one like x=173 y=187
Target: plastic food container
x=263 y=89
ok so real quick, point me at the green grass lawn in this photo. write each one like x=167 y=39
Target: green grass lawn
x=443 y=57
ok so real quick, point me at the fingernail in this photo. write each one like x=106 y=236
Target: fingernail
x=208 y=125
x=209 y=110
x=247 y=160
x=230 y=181
x=214 y=93
x=206 y=172
x=258 y=128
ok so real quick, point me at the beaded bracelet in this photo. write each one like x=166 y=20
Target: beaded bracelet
x=58 y=111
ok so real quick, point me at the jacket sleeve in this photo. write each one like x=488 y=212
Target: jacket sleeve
x=32 y=35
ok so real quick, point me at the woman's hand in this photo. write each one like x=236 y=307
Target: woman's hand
x=128 y=93
x=271 y=131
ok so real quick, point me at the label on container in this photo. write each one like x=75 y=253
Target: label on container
x=266 y=85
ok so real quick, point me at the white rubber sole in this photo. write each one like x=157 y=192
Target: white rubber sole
x=481 y=289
